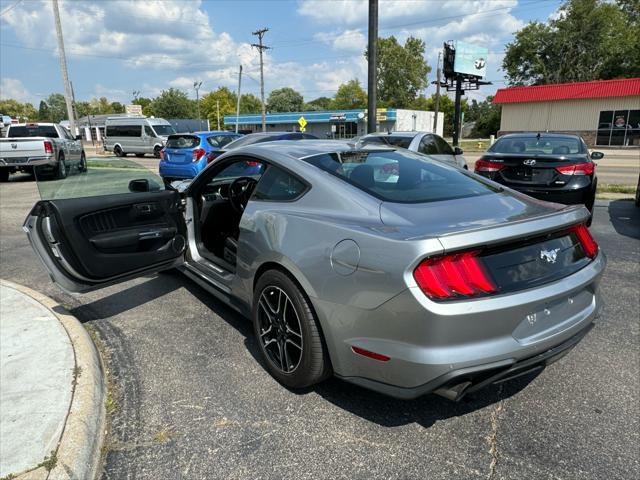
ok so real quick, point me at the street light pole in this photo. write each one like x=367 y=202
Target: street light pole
x=238 y=100
x=63 y=66
x=437 y=102
x=196 y=86
x=260 y=33
x=372 y=82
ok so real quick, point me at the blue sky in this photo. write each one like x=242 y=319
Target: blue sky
x=117 y=46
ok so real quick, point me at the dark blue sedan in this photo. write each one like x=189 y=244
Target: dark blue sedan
x=187 y=154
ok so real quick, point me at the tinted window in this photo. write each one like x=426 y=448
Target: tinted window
x=183 y=141
x=442 y=146
x=538 y=146
x=278 y=185
x=219 y=141
x=33 y=131
x=124 y=130
x=428 y=145
x=164 y=130
x=393 y=140
x=242 y=168
x=400 y=176
x=148 y=131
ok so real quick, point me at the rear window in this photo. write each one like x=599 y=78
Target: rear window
x=393 y=140
x=183 y=141
x=537 y=146
x=401 y=176
x=33 y=131
x=219 y=141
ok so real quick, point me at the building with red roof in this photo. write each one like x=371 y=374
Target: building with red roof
x=603 y=112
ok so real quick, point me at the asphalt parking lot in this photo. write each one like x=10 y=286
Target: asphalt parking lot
x=190 y=399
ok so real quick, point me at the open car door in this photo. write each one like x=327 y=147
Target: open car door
x=89 y=242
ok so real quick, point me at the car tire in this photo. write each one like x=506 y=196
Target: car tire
x=4 y=175
x=156 y=151
x=61 y=169
x=305 y=361
x=82 y=166
x=118 y=151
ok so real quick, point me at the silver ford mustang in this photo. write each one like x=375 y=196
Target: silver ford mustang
x=380 y=266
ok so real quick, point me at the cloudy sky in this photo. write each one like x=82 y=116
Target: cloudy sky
x=117 y=46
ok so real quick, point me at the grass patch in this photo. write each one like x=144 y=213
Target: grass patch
x=50 y=461
x=163 y=436
x=114 y=164
x=616 y=188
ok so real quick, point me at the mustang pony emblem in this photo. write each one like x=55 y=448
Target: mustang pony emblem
x=549 y=255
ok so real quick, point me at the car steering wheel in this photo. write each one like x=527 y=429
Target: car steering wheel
x=239 y=192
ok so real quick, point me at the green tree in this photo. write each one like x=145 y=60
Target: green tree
x=83 y=109
x=350 y=95
x=116 y=107
x=421 y=103
x=222 y=97
x=145 y=103
x=172 y=103
x=57 y=108
x=402 y=71
x=18 y=110
x=486 y=116
x=285 y=100
x=590 y=40
x=249 y=103
x=43 y=112
x=318 y=104
x=447 y=106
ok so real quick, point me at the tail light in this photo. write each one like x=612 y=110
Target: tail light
x=162 y=155
x=589 y=245
x=449 y=276
x=579 y=169
x=488 y=166
x=48 y=147
x=198 y=153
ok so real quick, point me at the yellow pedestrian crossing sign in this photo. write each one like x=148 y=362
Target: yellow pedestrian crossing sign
x=303 y=123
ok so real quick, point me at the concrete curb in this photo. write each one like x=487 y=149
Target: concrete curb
x=80 y=445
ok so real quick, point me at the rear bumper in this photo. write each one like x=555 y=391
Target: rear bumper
x=181 y=170
x=28 y=162
x=433 y=345
x=455 y=384
x=566 y=197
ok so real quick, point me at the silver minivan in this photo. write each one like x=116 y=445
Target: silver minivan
x=138 y=135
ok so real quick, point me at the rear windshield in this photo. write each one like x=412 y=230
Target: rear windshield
x=393 y=140
x=219 y=141
x=183 y=141
x=33 y=131
x=163 y=130
x=537 y=146
x=400 y=176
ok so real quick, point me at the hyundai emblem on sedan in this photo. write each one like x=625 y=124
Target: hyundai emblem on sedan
x=530 y=162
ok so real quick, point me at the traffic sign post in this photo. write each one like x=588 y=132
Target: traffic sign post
x=303 y=123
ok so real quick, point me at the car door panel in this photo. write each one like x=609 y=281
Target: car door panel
x=87 y=243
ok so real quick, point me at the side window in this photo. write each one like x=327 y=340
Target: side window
x=241 y=168
x=66 y=133
x=278 y=185
x=442 y=146
x=428 y=146
x=148 y=130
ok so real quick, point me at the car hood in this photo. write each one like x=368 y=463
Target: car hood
x=437 y=219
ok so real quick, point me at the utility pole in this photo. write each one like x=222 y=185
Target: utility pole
x=136 y=94
x=372 y=82
x=63 y=66
x=218 y=113
x=456 y=116
x=437 y=102
x=260 y=33
x=238 y=100
x=196 y=86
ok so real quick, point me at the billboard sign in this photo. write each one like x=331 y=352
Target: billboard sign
x=470 y=59
x=133 y=109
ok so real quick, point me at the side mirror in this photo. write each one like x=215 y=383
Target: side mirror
x=596 y=155
x=78 y=137
x=139 y=185
x=457 y=151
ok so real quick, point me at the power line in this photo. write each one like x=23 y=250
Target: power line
x=10 y=7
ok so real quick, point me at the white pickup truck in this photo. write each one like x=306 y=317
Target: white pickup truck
x=46 y=146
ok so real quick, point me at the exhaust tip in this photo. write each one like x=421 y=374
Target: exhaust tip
x=453 y=393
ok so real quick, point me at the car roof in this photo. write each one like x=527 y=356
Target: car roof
x=216 y=132
x=395 y=134
x=307 y=148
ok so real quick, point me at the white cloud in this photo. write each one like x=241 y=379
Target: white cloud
x=13 y=88
x=348 y=40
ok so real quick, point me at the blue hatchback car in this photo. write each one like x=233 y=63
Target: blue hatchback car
x=185 y=154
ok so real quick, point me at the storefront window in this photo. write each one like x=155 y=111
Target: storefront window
x=618 y=128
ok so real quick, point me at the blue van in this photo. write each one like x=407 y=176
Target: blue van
x=185 y=154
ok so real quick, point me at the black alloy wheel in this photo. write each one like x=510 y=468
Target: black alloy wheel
x=287 y=332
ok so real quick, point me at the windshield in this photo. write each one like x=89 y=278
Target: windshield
x=393 y=140
x=537 y=146
x=163 y=130
x=400 y=176
x=219 y=141
x=183 y=141
x=33 y=131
